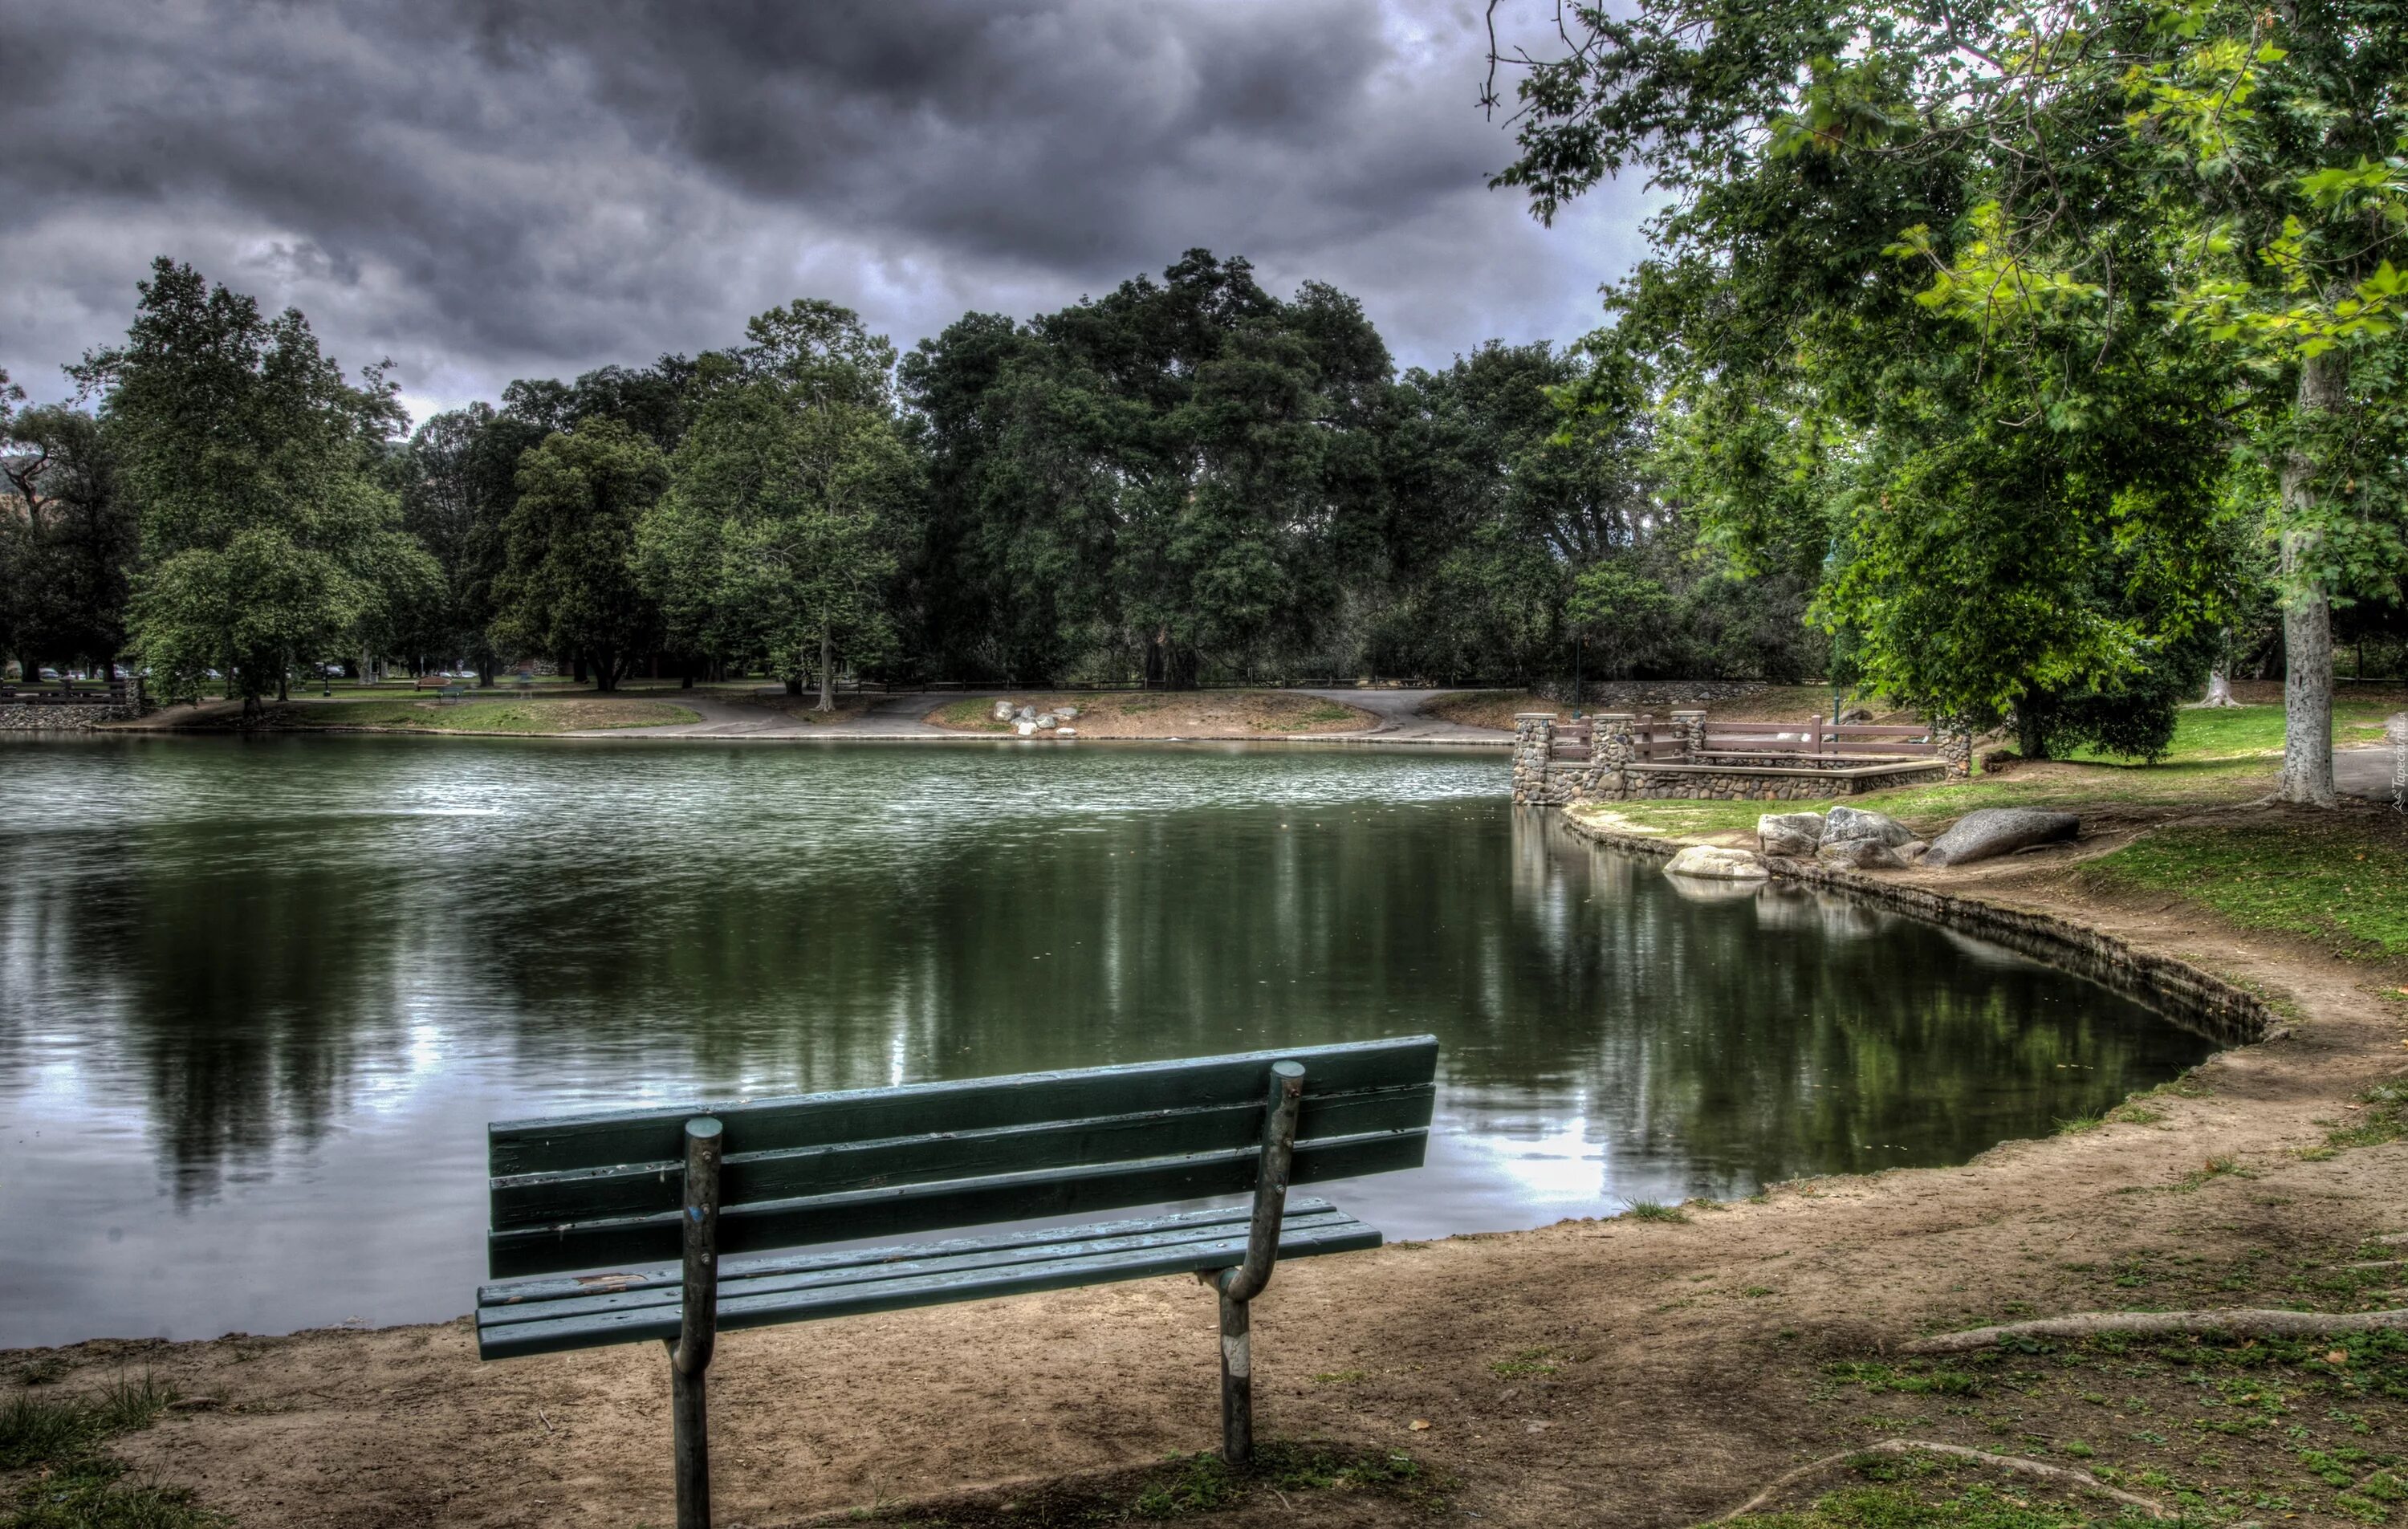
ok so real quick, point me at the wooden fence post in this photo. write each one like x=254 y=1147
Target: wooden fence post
x=699 y=1324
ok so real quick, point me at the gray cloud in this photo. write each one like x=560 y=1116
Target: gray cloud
x=485 y=189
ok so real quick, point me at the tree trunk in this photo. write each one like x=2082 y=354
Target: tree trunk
x=827 y=670
x=577 y=668
x=2307 y=776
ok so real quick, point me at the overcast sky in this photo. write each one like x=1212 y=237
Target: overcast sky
x=489 y=188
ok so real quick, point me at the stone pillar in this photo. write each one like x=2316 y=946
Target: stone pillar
x=1534 y=748
x=1955 y=741
x=1610 y=745
x=1691 y=724
x=2395 y=732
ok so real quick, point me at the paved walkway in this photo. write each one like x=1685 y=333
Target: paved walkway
x=2363 y=772
x=900 y=716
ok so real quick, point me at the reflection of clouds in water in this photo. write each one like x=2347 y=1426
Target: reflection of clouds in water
x=326 y=963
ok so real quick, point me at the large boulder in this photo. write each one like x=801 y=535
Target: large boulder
x=1709 y=863
x=1854 y=822
x=1991 y=830
x=1795 y=834
x=1867 y=854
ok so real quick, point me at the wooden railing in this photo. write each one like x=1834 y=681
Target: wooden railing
x=126 y=691
x=1664 y=742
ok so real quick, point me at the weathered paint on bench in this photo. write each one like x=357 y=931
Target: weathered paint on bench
x=623 y=1195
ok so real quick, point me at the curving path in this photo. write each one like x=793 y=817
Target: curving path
x=1399 y=719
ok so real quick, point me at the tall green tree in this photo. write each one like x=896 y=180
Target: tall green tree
x=567 y=585
x=70 y=546
x=788 y=500
x=2015 y=518
x=249 y=460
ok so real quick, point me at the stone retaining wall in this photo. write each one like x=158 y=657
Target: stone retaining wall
x=2192 y=998
x=63 y=719
x=1613 y=773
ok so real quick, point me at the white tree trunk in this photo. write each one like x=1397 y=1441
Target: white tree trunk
x=827 y=670
x=2219 y=687
x=2307 y=776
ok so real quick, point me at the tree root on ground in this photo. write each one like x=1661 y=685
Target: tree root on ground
x=2018 y=1463
x=2240 y=1324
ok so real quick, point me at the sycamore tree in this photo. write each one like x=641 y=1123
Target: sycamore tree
x=787 y=499
x=2013 y=299
x=250 y=462
x=567 y=583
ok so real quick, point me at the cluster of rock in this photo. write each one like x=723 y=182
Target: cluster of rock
x=1871 y=841
x=1864 y=840
x=1028 y=722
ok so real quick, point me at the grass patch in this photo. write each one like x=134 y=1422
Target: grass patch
x=1185 y=1486
x=2339 y=877
x=2227 y=733
x=1523 y=1364
x=1653 y=1210
x=569 y=714
x=72 y=1480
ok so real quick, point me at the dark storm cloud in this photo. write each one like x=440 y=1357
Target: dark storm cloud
x=483 y=188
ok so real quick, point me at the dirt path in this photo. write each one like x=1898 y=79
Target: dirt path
x=1400 y=720
x=1621 y=1372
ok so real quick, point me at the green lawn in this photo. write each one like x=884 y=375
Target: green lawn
x=2251 y=732
x=569 y=714
x=2339 y=877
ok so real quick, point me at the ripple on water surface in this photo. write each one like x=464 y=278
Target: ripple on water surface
x=258 y=998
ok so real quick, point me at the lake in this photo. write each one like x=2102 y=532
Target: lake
x=259 y=997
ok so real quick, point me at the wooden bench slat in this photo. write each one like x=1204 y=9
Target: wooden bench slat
x=551 y=1199
x=797 y=1261
x=900 y=1211
x=1304 y=1219
x=654 y=1136
x=738 y=1308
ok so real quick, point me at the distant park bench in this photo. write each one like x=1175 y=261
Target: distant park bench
x=450 y=695
x=633 y=1191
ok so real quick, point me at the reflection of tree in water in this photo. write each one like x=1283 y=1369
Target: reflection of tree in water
x=251 y=980
x=683 y=923
x=1762 y=1035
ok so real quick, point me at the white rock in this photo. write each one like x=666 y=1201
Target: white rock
x=1066 y=732
x=1026 y=728
x=1065 y=713
x=1045 y=719
x=1710 y=863
x=1027 y=714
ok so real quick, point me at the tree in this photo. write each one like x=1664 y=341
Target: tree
x=567 y=584
x=2017 y=511
x=72 y=543
x=248 y=457
x=459 y=483
x=779 y=528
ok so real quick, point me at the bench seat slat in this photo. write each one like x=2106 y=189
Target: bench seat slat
x=894 y=1262
x=902 y=1209
x=1082 y=1263
x=654 y=1135
x=799 y=1260
x=550 y=1199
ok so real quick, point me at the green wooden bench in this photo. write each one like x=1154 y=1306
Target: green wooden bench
x=450 y=695
x=610 y=1228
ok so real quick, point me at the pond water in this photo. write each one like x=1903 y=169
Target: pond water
x=258 y=998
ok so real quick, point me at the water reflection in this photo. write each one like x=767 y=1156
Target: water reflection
x=254 y=992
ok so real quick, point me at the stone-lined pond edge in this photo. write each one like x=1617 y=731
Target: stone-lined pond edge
x=2193 y=998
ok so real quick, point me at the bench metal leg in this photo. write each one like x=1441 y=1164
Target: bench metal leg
x=1240 y=1285
x=1237 y=1383
x=699 y=1324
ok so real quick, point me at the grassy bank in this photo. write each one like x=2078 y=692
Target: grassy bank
x=58 y=1470
x=568 y=714
x=2339 y=877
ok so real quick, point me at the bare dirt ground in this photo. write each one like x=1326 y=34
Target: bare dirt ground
x=1168 y=714
x=1620 y=1372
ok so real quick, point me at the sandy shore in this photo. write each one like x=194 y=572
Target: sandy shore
x=1591 y=1372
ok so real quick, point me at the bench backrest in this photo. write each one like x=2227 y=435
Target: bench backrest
x=584 y=1192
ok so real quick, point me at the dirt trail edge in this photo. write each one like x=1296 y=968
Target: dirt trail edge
x=1606 y=1372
